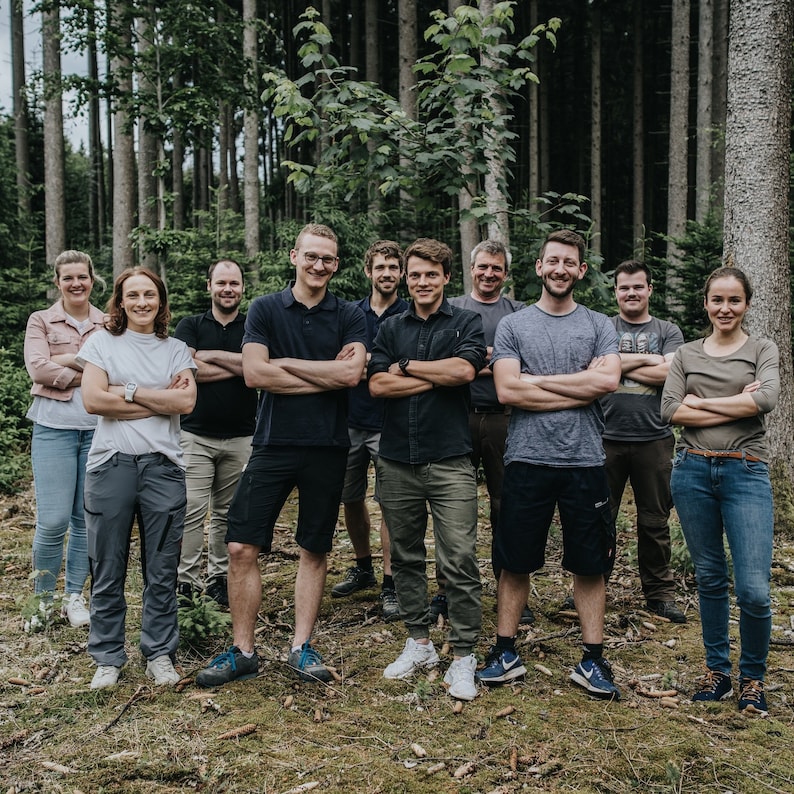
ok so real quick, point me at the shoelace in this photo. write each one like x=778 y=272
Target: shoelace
x=309 y=657
x=604 y=669
x=711 y=682
x=224 y=660
x=752 y=691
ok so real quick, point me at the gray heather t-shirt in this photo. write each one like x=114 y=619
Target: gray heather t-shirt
x=547 y=344
x=483 y=392
x=632 y=412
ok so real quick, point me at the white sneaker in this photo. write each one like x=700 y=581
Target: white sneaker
x=460 y=678
x=161 y=669
x=414 y=656
x=106 y=675
x=75 y=610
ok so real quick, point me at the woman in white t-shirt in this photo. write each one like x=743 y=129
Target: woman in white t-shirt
x=139 y=381
x=62 y=430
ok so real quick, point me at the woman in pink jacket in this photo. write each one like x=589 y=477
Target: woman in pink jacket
x=62 y=430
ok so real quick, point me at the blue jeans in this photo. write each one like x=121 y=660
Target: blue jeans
x=59 y=458
x=716 y=495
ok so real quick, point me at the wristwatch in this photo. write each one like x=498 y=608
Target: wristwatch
x=129 y=392
x=403 y=365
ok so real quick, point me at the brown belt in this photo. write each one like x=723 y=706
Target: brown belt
x=737 y=454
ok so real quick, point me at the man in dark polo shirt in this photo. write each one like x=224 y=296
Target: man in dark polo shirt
x=383 y=267
x=422 y=363
x=304 y=348
x=216 y=441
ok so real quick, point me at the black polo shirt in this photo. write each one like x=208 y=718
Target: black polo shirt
x=366 y=411
x=224 y=408
x=291 y=330
x=433 y=425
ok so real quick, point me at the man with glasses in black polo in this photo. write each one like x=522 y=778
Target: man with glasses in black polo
x=304 y=348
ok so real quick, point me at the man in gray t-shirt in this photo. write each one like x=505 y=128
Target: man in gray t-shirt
x=551 y=363
x=637 y=442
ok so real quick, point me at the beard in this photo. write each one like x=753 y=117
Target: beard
x=225 y=309
x=557 y=290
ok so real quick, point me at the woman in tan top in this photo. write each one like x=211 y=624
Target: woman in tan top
x=719 y=389
x=62 y=430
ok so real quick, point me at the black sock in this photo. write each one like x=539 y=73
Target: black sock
x=388 y=582
x=365 y=563
x=505 y=643
x=592 y=650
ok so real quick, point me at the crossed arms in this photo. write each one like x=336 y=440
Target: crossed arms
x=302 y=376
x=555 y=392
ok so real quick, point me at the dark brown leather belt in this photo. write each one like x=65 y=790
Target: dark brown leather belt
x=736 y=454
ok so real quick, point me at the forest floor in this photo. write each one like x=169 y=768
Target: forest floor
x=364 y=733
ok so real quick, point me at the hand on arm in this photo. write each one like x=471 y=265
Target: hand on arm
x=215 y=365
x=302 y=376
x=519 y=391
x=601 y=377
x=650 y=369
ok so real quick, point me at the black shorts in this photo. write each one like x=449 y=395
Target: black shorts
x=272 y=472
x=529 y=495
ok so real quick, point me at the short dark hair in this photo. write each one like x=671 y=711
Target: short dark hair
x=387 y=248
x=566 y=237
x=632 y=266
x=432 y=251
x=226 y=261
x=495 y=247
x=117 y=324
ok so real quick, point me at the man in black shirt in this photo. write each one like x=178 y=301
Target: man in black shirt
x=216 y=436
x=423 y=361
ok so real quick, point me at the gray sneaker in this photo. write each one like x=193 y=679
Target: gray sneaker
x=229 y=666
x=308 y=664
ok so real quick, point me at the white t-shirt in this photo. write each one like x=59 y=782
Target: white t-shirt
x=152 y=363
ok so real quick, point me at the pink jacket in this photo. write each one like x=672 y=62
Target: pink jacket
x=48 y=334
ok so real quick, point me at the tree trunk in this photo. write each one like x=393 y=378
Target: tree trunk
x=20 y=103
x=124 y=151
x=703 y=185
x=719 y=101
x=678 y=148
x=533 y=184
x=406 y=13
x=98 y=198
x=147 y=143
x=756 y=225
x=178 y=180
x=223 y=156
x=251 y=137
x=638 y=137
x=595 y=128
x=54 y=174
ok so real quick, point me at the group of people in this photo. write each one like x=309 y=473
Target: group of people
x=559 y=404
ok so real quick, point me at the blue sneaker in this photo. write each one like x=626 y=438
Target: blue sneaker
x=595 y=675
x=308 y=664
x=501 y=667
x=229 y=666
x=715 y=686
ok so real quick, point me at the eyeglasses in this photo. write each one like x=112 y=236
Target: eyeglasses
x=310 y=258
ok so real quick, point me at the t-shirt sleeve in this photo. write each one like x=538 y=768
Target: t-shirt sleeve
x=768 y=372
x=606 y=337
x=187 y=331
x=93 y=351
x=673 y=339
x=355 y=325
x=181 y=358
x=257 y=327
x=505 y=343
x=674 y=389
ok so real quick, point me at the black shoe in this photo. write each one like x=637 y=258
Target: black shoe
x=389 y=607
x=186 y=594
x=527 y=616
x=751 y=697
x=438 y=606
x=218 y=592
x=355 y=579
x=229 y=666
x=667 y=609
x=714 y=687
